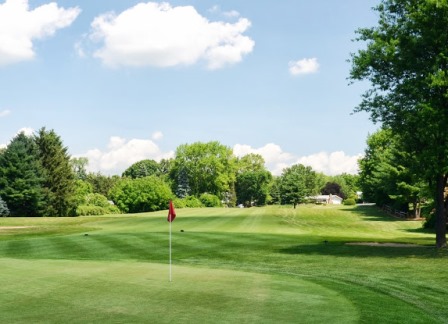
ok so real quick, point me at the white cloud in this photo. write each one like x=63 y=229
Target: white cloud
x=2 y=146
x=28 y=131
x=159 y=35
x=157 y=135
x=4 y=113
x=276 y=159
x=304 y=66
x=332 y=163
x=122 y=153
x=19 y=26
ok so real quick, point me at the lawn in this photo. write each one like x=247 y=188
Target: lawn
x=256 y=265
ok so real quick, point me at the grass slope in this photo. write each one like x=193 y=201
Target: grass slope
x=230 y=265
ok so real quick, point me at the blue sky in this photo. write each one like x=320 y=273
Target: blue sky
x=121 y=81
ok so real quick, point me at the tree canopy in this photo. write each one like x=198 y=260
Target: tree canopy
x=406 y=63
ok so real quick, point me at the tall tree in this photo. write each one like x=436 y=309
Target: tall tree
x=143 y=168
x=297 y=183
x=406 y=62
x=21 y=177
x=59 y=177
x=252 y=187
x=210 y=168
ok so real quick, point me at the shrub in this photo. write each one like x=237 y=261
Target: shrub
x=350 y=202
x=90 y=210
x=141 y=194
x=192 y=202
x=209 y=200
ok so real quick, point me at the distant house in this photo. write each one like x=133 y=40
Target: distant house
x=326 y=199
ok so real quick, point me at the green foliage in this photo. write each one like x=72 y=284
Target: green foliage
x=102 y=184
x=209 y=200
x=82 y=189
x=210 y=167
x=79 y=167
x=192 y=202
x=96 y=204
x=405 y=61
x=4 y=210
x=252 y=187
x=297 y=183
x=141 y=194
x=349 y=202
x=250 y=162
x=142 y=169
x=59 y=178
x=21 y=177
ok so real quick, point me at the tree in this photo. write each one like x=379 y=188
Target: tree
x=250 y=162
x=102 y=184
x=252 y=187
x=333 y=188
x=143 y=168
x=209 y=167
x=4 y=210
x=59 y=179
x=297 y=183
x=21 y=177
x=406 y=62
x=389 y=175
x=141 y=194
x=79 y=167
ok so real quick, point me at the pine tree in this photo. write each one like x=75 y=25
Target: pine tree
x=21 y=177
x=4 y=211
x=59 y=177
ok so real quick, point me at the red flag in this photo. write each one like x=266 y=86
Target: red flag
x=171 y=212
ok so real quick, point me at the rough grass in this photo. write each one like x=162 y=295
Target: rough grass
x=272 y=264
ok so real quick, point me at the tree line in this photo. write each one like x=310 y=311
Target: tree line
x=39 y=178
x=405 y=60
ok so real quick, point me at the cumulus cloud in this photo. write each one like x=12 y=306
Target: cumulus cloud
x=159 y=35
x=122 y=153
x=20 y=26
x=276 y=159
x=4 y=113
x=332 y=163
x=303 y=66
x=28 y=131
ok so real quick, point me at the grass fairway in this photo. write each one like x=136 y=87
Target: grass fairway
x=257 y=265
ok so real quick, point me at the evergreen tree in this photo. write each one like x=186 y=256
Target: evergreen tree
x=4 y=211
x=183 y=189
x=59 y=177
x=21 y=177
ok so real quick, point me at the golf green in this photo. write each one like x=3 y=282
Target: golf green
x=89 y=291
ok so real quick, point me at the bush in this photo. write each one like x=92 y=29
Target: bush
x=85 y=210
x=350 y=202
x=209 y=200
x=141 y=195
x=192 y=202
x=96 y=199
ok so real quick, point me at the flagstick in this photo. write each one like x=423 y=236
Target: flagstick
x=170 y=251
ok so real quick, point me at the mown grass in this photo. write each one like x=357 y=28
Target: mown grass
x=272 y=264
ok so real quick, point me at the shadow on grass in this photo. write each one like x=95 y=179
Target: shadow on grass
x=328 y=248
x=373 y=213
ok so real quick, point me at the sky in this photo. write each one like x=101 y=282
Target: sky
x=122 y=81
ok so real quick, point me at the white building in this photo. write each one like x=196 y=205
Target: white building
x=327 y=199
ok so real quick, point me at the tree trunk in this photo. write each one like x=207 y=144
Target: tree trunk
x=440 y=212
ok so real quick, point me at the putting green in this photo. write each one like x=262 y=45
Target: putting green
x=127 y=292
